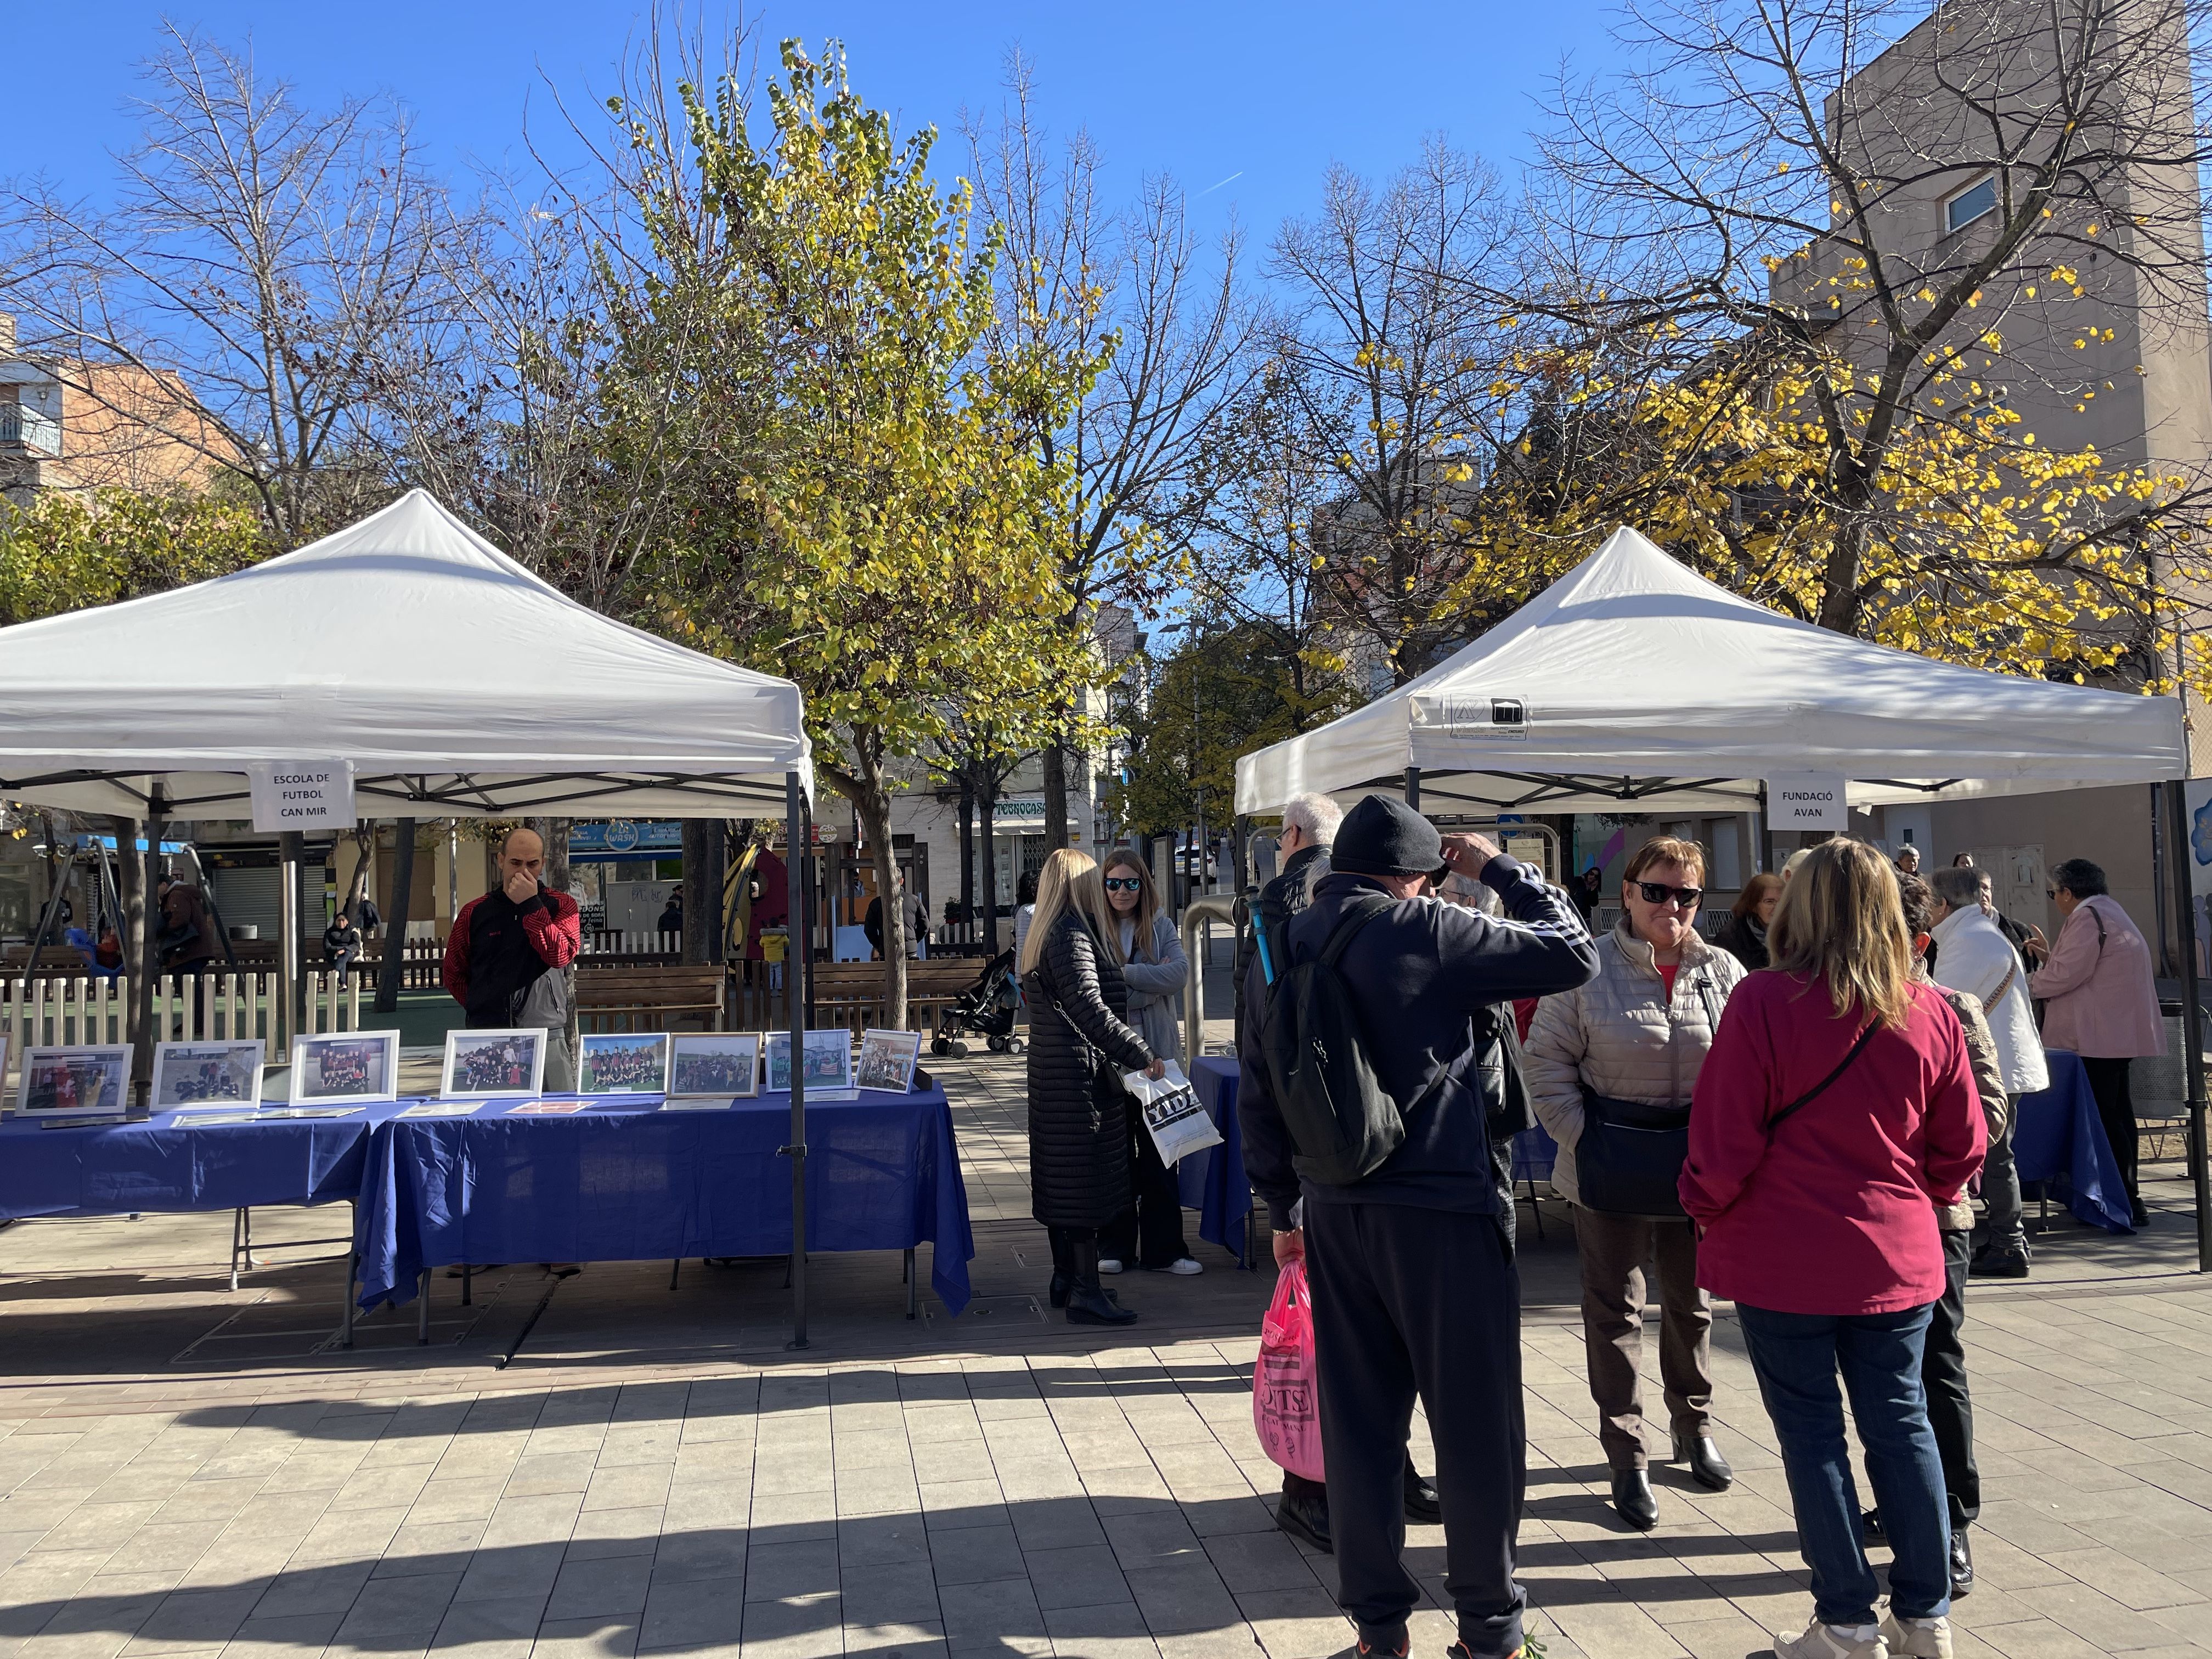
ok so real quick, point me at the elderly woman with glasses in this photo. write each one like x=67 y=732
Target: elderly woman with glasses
x=1611 y=1067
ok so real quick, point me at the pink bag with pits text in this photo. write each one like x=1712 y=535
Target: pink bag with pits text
x=1283 y=1398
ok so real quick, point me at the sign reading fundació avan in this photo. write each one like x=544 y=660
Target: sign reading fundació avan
x=302 y=794
x=1807 y=800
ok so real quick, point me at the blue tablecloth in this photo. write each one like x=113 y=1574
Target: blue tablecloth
x=2059 y=1137
x=169 y=1162
x=1214 y=1185
x=625 y=1182
x=1534 y=1151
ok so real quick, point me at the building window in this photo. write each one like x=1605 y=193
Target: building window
x=1970 y=204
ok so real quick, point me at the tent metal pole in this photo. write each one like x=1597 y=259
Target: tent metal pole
x=289 y=847
x=1765 y=832
x=2192 y=1019
x=149 y=962
x=1413 y=787
x=795 y=1009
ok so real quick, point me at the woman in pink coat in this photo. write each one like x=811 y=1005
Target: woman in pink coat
x=2103 y=1005
x=1835 y=1114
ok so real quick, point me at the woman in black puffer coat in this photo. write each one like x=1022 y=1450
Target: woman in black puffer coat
x=1080 y=1042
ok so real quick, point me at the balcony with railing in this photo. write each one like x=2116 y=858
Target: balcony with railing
x=25 y=429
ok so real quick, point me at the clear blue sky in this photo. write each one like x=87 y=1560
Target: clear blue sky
x=1273 y=93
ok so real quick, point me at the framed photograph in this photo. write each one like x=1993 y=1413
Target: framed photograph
x=888 y=1059
x=347 y=1065
x=623 y=1063
x=66 y=1083
x=548 y=1108
x=829 y=1063
x=195 y=1074
x=718 y=1063
x=480 y=1064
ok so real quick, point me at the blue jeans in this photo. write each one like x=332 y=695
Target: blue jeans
x=1797 y=1356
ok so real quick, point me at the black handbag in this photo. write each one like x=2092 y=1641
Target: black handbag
x=1629 y=1160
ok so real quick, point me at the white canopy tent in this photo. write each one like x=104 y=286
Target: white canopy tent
x=1632 y=683
x=453 y=683
x=457 y=683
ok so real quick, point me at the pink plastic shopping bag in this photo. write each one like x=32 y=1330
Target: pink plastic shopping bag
x=1284 y=1408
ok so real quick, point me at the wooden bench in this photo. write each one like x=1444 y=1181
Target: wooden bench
x=648 y=998
x=851 y=993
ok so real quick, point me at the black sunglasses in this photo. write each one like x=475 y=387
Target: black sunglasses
x=1658 y=892
x=1125 y=884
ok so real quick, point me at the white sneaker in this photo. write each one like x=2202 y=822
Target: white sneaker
x=1184 y=1266
x=1918 y=1639
x=1822 y=1641
x=1109 y=1264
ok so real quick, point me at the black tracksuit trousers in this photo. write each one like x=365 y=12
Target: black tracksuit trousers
x=1410 y=1300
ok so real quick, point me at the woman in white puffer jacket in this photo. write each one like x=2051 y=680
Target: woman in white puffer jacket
x=1640 y=1031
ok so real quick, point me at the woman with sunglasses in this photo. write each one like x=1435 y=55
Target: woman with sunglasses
x=1835 y=1117
x=1150 y=1232
x=1637 y=1034
x=1080 y=1045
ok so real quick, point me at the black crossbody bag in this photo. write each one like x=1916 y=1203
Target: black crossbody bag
x=1640 y=1149
x=1629 y=1160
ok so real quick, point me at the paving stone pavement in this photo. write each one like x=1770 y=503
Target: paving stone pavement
x=654 y=1474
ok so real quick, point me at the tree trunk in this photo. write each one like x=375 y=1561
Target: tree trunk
x=392 y=970
x=968 y=858
x=364 y=839
x=703 y=890
x=874 y=808
x=554 y=832
x=987 y=798
x=1056 y=795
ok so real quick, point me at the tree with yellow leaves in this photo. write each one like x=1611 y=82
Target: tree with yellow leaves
x=1842 y=321
x=881 y=538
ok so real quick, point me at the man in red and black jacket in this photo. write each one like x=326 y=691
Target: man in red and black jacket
x=506 y=957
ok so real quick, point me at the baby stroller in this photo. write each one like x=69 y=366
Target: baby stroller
x=987 y=1007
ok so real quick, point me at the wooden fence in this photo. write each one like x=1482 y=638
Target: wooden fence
x=423 y=960
x=45 y=1011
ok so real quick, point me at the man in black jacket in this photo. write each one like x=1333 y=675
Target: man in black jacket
x=1310 y=824
x=1414 y=1289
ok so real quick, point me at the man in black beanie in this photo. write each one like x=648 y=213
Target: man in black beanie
x=1414 y=1289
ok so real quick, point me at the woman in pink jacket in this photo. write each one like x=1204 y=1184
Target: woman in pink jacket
x=1836 y=1111
x=2104 y=1005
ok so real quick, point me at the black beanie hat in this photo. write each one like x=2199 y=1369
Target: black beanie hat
x=1383 y=836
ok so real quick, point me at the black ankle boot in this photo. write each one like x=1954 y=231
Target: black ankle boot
x=1061 y=1282
x=1087 y=1301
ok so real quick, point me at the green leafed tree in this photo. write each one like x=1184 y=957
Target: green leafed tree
x=883 y=544
x=66 y=551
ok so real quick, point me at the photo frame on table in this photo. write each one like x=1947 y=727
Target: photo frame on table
x=623 y=1063
x=91 y=1082
x=888 y=1059
x=714 y=1064
x=189 y=1075
x=355 y=1067
x=829 y=1063
x=481 y=1063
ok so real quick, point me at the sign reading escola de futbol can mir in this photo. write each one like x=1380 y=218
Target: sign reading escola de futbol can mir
x=302 y=794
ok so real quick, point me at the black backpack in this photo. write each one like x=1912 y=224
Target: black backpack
x=1342 y=1121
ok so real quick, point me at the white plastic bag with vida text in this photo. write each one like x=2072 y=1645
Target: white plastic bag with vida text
x=1173 y=1115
